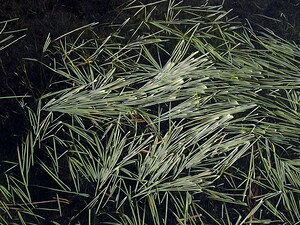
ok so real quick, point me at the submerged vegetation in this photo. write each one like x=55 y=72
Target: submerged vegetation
x=180 y=117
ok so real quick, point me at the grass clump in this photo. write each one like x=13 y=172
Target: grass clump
x=185 y=118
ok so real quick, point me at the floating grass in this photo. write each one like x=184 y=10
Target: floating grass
x=187 y=118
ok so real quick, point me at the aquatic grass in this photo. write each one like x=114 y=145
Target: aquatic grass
x=8 y=36
x=190 y=118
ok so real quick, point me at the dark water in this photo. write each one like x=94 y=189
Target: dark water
x=41 y=17
x=281 y=16
x=19 y=77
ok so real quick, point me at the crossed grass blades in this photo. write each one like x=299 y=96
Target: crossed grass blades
x=7 y=35
x=184 y=117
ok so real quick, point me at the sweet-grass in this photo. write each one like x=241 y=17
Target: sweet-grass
x=8 y=36
x=185 y=118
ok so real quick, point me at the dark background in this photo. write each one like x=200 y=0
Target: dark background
x=40 y=17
